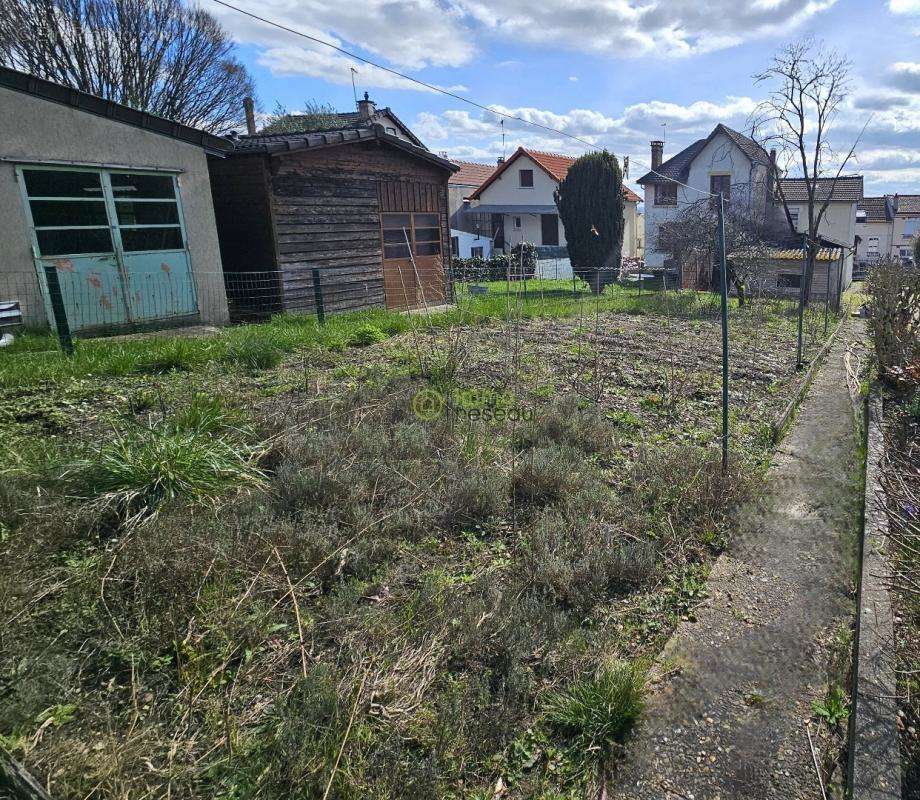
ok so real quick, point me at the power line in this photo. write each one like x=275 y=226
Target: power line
x=438 y=89
x=402 y=75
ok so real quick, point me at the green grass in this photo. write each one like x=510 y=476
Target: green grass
x=598 y=712
x=139 y=471
x=36 y=359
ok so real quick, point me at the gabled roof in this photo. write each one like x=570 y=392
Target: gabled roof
x=91 y=104
x=471 y=173
x=275 y=144
x=353 y=119
x=907 y=204
x=877 y=209
x=677 y=168
x=553 y=164
x=847 y=189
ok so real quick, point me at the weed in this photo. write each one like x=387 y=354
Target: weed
x=834 y=708
x=544 y=475
x=365 y=335
x=251 y=351
x=597 y=713
x=138 y=471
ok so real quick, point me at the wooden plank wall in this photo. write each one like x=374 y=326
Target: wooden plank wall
x=326 y=209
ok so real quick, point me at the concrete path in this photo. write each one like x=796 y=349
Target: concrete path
x=730 y=723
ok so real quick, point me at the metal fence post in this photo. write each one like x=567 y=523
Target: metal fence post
x=798 y=342
x=58 y=309
x=723 y=281
x=318 y=297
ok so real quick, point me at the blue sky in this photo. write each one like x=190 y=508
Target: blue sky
x=609 y=71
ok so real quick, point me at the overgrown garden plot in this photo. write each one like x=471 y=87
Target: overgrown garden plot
x=436 y=566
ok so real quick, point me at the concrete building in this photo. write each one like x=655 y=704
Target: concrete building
x=114 y=202
x=726 y=161
x=519 y=196
x=887 y=227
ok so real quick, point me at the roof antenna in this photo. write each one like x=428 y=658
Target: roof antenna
x=353 y=90
x=502 y=123
x=664 y=132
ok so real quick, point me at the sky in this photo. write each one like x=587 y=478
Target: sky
x=616 y=73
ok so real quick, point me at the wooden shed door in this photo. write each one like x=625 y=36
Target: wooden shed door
x=412 y=231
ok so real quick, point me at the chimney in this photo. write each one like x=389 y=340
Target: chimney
x=366 y=107
x=500 y=160
x=250 y=109
x=657 y=153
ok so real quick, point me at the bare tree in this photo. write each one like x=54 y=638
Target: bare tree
x=808 y=84
x=690 y=237
x=160 y=56
x=314 y=117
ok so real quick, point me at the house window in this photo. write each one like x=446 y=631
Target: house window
x=720 y=184
x=475 y=252
x=391 y=131
x=421 y=232
x=794 y=216
x=455 y=246
x=526 y=178
x=872 y=246
x=517 y=222
x=665 y=194
x=788 y=280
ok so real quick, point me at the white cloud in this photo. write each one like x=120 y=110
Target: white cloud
x=408 y=33
x=904 y=6
x=573 y=78
x=638 y=27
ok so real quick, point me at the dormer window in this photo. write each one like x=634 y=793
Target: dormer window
x=526 y=178
x=665 y=194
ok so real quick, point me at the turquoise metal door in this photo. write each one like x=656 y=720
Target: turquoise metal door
x=117 y=241
x=71 y=233
x=150 y=238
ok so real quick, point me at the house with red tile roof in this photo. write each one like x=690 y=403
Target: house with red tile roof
x=519 y=197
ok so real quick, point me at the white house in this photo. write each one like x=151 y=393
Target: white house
x=723 y=161
x=733 y=164
x=887 y=226
x=838 y=225
x=519 y=195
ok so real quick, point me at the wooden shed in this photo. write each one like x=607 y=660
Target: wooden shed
x=365 y=208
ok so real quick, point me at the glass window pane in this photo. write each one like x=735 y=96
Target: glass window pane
x=428 y=249
x=74 y=241
x=395 y=251
x=62 y=183
x=147 y=213
x=126 y=184
x=395 y=220
x=427 y=234
x=47 y=213
x=425 y=220
x=395 y=236
x=135 y=239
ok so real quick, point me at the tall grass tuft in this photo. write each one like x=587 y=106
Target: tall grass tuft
x=597 y=713
x=140 y=471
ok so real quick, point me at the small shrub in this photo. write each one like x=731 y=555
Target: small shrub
x=365 y=335
x=544 y=475
x=566 y=424
x=475 y=496
x=597 y=713
x=206 y=413
x=137 y=472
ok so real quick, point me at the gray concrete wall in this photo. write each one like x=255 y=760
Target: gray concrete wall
x=33 y=129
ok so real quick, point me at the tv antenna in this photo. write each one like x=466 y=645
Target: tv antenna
x=354 y=91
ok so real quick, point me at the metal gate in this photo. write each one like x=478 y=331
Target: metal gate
x=116 y=239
